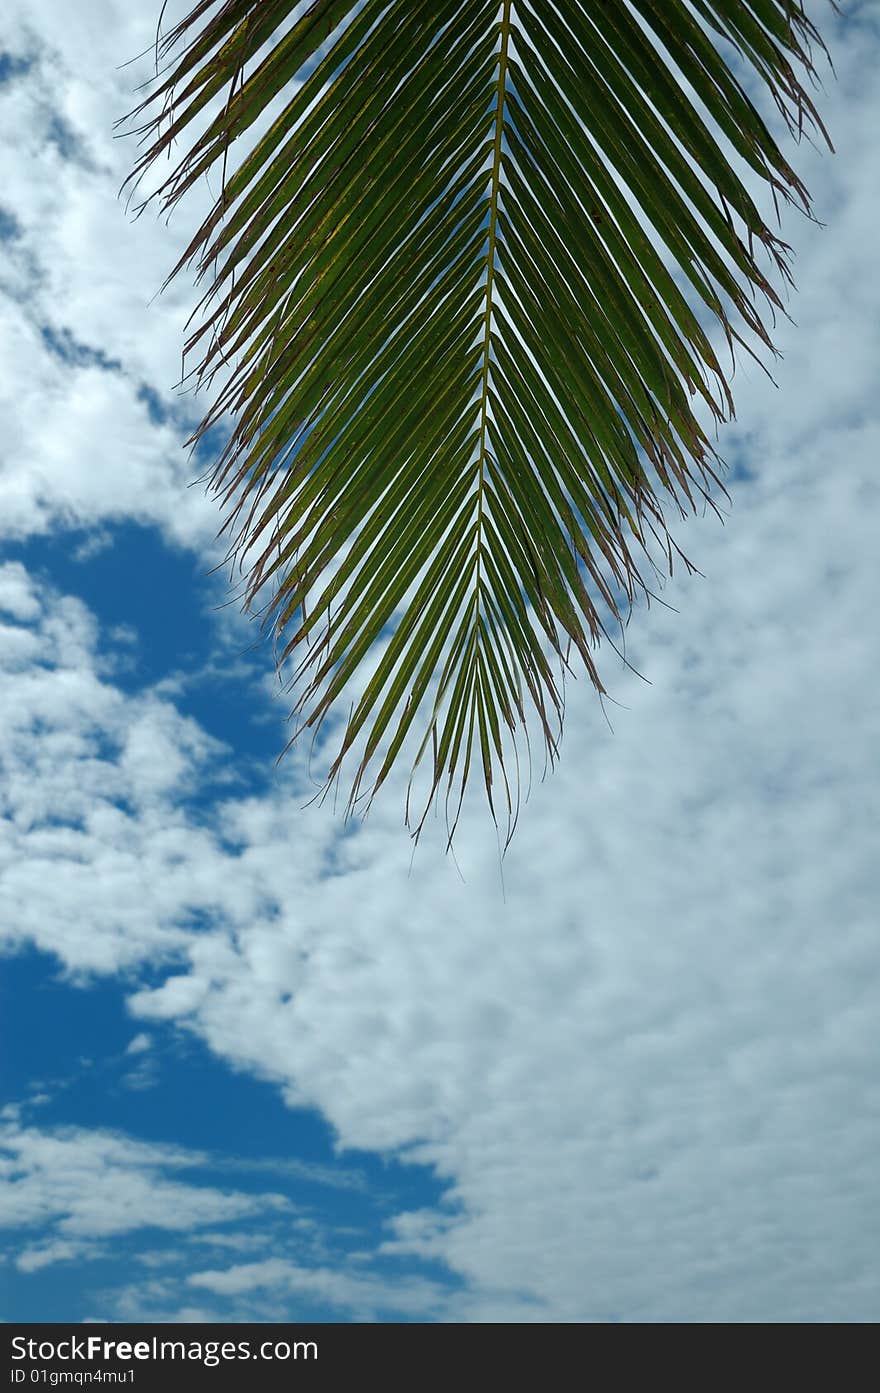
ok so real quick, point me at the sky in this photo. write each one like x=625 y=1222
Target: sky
x=261 y=1065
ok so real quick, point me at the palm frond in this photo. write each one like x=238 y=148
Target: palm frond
x=460 y=281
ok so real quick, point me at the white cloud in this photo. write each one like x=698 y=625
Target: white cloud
x=364 y=1297
x=87 y=1187
x=89 y=833
x=80 y=344
x=17 y=597
x=91 y=348
x=75 y=1195
x=40 y=1255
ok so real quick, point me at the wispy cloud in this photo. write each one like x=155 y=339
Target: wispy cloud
x=87 y=1186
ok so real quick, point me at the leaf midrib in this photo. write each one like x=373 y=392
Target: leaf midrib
x=494 y=190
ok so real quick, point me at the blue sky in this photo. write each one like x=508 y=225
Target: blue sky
x=256 y=1066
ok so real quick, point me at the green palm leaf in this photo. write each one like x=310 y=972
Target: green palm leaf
x=458 y=288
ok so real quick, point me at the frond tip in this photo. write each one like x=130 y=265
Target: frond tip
x=459 y=272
